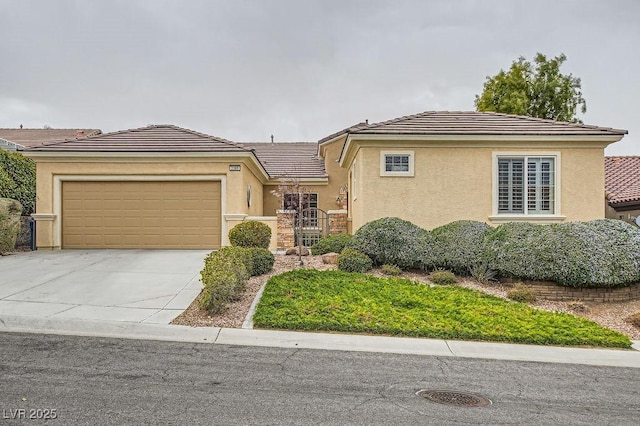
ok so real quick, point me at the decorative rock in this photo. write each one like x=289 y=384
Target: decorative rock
x=294 y=250
x=330 y=258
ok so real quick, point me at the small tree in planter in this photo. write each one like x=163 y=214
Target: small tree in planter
x=294 y=196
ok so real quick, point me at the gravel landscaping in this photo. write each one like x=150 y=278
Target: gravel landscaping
x=610 y=315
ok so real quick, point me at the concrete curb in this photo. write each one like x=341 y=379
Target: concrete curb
x=324 y=341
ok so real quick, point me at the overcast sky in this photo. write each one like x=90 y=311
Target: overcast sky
x=299 y=70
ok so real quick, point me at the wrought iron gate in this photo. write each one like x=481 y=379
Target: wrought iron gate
x=315 y=225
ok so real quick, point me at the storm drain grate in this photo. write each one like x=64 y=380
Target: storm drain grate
x=455 y=398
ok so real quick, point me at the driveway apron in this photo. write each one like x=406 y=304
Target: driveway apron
x=148 y=286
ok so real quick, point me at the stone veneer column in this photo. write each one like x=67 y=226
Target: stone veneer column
x=337 y=221
x=286 y=238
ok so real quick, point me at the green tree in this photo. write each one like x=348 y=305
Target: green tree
x=537 y=90
x=18 y=179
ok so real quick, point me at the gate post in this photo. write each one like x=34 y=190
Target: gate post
x=285 y=229
x=337 y=221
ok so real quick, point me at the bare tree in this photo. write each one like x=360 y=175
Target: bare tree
x=294 y=196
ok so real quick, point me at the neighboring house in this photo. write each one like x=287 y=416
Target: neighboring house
x=622 y=187
x=15 y=139
x=164 y=186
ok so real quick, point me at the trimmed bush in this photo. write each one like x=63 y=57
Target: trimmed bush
x=9 y=224
x=443 y=277
x=224 y=277
x=395 y=241
x=18 y=179
x=459 y=246
x=600 y=253
x=250 y=234
x=521 y=293
x=241 y=253
x=523 y=250
x=351 y=260
x=390 y=270
x=333 y=243
x=263 y=260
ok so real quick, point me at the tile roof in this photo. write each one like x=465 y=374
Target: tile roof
x=349 y=129
x=478 y=123
x=622 y=179
x=156 y=138
x=35 y=137
x=289 y=159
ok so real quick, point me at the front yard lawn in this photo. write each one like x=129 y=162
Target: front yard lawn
x=307 y=299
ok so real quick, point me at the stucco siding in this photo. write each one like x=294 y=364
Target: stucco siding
x=50 y=174
x=456 y=183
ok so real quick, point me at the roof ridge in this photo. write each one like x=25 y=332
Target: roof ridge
x=101 y=135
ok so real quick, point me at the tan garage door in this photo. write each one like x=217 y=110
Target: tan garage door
x=141 y=215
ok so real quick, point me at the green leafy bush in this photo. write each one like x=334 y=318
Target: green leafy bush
x=521 y=293
x=443 y=277
x=390 y=270
x=18 y=179
x=263 y=260
x=395 y=241
x=250 y=234
x=458 y=246
x=600 y=253
x=333 y=243
x=224 y=277
x=351 y=260
x=241 y=253
x=9 y=224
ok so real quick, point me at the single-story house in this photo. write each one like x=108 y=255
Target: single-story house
x=622 y=187
x=168 y=187
x=20 y=138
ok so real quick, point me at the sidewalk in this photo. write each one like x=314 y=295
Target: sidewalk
x=324 y=341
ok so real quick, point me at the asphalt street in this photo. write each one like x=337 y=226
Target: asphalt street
x=92 y=380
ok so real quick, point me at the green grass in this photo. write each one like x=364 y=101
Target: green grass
x=340 y=301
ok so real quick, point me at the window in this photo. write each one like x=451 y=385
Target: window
x=396 y=163
x=309 y=207
x=526 y=185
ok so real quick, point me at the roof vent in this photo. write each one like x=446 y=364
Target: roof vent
x=271 y=139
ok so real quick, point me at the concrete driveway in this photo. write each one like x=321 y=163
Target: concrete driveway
x=148 y=286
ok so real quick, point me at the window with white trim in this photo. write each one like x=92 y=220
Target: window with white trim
x=526 y=185
x=396 y=163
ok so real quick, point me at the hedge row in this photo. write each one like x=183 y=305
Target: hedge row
x=226 y=272
x=599 y=253
x=18 y=179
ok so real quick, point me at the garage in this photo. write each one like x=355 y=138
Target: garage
x=141 y=214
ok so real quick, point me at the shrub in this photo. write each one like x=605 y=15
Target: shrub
x=443 y=277
x=391 y=270
x=458 y=246
x=634 y=319
x=394 y=241
x=333 y=243
x=9 y=224
x=482 y=273
x=600 y=253
x=521 y=293
x=263 y=260
x=224 y=277
x=352 y=260
x=250 y=234
x=18 y=179
x=240 y=253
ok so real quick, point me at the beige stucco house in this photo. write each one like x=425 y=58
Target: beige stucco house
x=168 y=187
